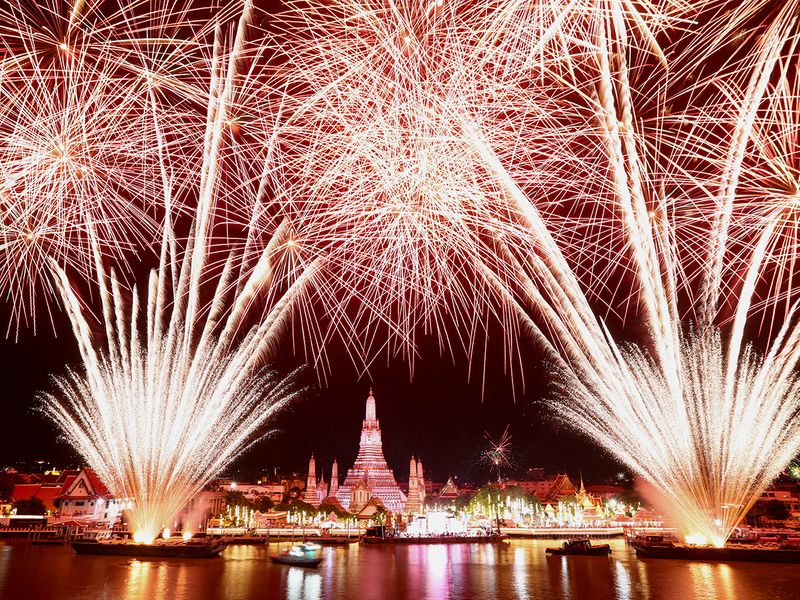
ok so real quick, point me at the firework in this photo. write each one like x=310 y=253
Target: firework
x=83 y=97
x=699 y=413
x=498 y=455
x=401 y=109
x=176 y=389
x=377 y=172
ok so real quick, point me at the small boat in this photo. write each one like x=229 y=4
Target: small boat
x=302 y=555
x=193 y=548
x=580 y=548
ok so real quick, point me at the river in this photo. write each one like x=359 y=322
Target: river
x=518 y=569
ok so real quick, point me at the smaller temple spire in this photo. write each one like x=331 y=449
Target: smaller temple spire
x=420 y=482
x=334 y=478
x=310 y=495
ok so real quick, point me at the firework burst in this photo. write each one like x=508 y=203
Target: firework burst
x=498 y=455
x=175 y=387
x=388 y=96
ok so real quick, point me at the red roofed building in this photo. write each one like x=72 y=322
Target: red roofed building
x=46 y=492
x=605 y=491
x=83 y=497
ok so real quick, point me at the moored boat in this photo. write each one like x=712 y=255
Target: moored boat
x=49 y=540
x=336 y=540
x=580 y=548
x=301 y=555
x=650 y=548
x=193 y=548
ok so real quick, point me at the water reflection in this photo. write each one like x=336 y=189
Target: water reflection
x=520 y=573
x=138 y=580
x=302 y=584
x=622 y=581
x=516 y=570
x=712 y=581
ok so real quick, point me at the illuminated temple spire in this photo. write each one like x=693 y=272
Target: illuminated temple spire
x=370 y=416
x=413 y=505
x=310 y=495
x=334 y=478
x=371 y=467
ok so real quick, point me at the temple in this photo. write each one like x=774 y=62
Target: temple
x=416 y=488
x=370 y=471
x=310 y=495
x=317 y=491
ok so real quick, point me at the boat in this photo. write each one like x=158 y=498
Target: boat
x=178 y=548
x=301 y=555
x=383 y=535
x=48 y=540
x=335 y=540
x=580 y=548
x=651 y=547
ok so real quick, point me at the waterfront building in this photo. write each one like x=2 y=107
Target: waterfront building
x=316 y=491
x=275 y=491
x=421 y=483
x=83 y=497
x=547 y=489
x=450 y=490
x=370 y=473
x=44 y=491
x=322 y=489
x=197 y=512
x=606 y=492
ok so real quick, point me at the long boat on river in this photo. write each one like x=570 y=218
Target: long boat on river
x=178 y=548
x=732 y=552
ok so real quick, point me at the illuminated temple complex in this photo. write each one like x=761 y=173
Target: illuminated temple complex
x=370 y=469
x=369 y=480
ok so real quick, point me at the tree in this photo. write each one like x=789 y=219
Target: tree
x=463 y=501
x=380 y=516
x=32 y=506
x=236 y=498
x=6 y=485
x=533 y=500
x=755 y=514
x=776 y=510
x=628 y=497
x=514 y=491
x=263 y=504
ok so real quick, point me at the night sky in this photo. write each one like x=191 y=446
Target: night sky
x=438 y=415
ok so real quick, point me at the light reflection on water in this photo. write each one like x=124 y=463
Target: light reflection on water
x=520 y=573
x=519 y=569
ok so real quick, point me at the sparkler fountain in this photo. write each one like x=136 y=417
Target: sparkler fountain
x=175 y=388
x=704 y=417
